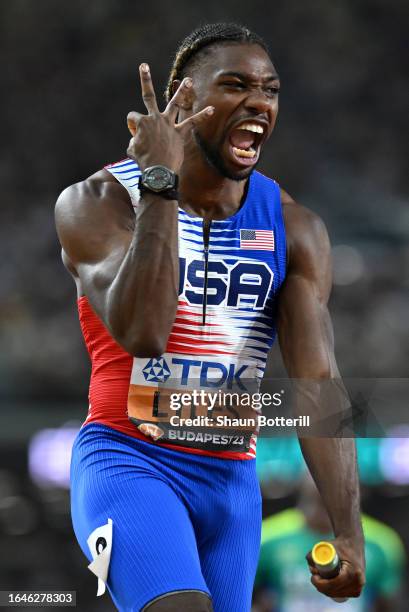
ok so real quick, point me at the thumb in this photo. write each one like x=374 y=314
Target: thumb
x=132 y=122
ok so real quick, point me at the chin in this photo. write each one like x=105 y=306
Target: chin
x=228 y=170
x=224 y=166
x=238 y=175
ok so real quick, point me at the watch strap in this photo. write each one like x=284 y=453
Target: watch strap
x=168 y=194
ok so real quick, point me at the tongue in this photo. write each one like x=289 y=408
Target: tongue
x=242 y=139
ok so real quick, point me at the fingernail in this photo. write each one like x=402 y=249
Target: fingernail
x=144 y=67
x=210 y=110
x=188 y=82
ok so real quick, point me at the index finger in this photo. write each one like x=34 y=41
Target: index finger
x=148 y=93
x=311 y=564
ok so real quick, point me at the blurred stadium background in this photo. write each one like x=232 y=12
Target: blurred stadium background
x=69 y=73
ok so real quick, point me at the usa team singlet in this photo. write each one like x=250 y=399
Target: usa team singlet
x=162 y=514
x=224 y=325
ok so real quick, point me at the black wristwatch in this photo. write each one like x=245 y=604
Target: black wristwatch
x=159 y=180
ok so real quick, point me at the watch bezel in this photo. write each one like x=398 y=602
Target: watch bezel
x=171 y=178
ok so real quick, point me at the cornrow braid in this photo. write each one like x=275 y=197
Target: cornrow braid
x=203 y=37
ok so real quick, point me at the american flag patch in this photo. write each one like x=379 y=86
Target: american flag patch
x=259 y=240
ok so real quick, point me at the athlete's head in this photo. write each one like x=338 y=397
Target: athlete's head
x=232 y=71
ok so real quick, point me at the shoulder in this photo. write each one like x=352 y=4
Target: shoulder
x=97 y=199
x=308 y=245
x=304 y=228
x=89 y=210
x=99 y=186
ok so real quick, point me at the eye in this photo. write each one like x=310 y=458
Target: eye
x=272 y=91
x=233 y=84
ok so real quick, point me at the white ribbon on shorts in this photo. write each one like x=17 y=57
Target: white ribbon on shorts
x=100 y=545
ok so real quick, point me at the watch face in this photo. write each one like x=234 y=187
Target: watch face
x=158 y=178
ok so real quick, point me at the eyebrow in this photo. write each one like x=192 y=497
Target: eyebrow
x=244 y=77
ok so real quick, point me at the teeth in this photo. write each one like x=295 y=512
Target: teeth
x=251 y=127
x=243 y=153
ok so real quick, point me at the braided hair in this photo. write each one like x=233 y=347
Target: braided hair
x=201 y=39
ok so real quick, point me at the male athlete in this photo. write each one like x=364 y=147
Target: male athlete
x=186 y=261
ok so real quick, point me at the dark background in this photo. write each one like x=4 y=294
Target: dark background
x=69 y=75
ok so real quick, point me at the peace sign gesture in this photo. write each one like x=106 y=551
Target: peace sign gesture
x=156 y=137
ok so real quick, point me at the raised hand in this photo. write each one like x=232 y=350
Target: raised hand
x=156 y=137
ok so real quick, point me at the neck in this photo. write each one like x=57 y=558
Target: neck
x=204 y=191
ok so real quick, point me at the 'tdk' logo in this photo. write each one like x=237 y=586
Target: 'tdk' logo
x=192 y=371
x=156 y=370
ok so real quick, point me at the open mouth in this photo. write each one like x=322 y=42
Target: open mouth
x=245 y=141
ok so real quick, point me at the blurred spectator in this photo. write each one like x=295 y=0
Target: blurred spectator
x=283 y=579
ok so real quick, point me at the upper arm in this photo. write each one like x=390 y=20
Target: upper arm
x=304 y=325
x=94 y=223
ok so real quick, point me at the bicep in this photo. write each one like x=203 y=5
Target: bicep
x=305 y=331
x=304 y=325
x=95 y=231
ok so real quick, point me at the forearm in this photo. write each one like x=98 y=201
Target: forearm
x=321 y=395
x=332 y=463
x=142 y=298
x=329 y=454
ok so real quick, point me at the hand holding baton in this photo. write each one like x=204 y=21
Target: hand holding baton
x=327 y=562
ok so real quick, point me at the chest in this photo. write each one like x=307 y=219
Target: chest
x=231 y=267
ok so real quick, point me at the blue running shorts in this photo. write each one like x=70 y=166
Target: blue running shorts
x=180 y=521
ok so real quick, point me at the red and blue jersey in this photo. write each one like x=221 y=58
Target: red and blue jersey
x=225 y=324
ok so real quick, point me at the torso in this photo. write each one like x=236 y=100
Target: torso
x=239 y=326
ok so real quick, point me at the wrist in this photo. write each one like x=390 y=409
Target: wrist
x=151 y=197
x=352 y=529
x=159 y=180
x=353 y=542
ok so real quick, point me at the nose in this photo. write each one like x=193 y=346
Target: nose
x=258 y=102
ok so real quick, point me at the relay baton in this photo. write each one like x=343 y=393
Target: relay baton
x=327 y=562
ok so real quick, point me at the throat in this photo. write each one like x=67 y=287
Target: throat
x=215 y=199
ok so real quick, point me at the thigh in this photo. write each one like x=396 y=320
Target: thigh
x=229 y=556
x=154 y=549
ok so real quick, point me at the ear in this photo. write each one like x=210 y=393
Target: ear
x=175 y=85
x=188 y=97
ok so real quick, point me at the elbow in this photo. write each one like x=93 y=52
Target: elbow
x=144 y=347
x=322 y=374
x=145 y=338
x=148 y=350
